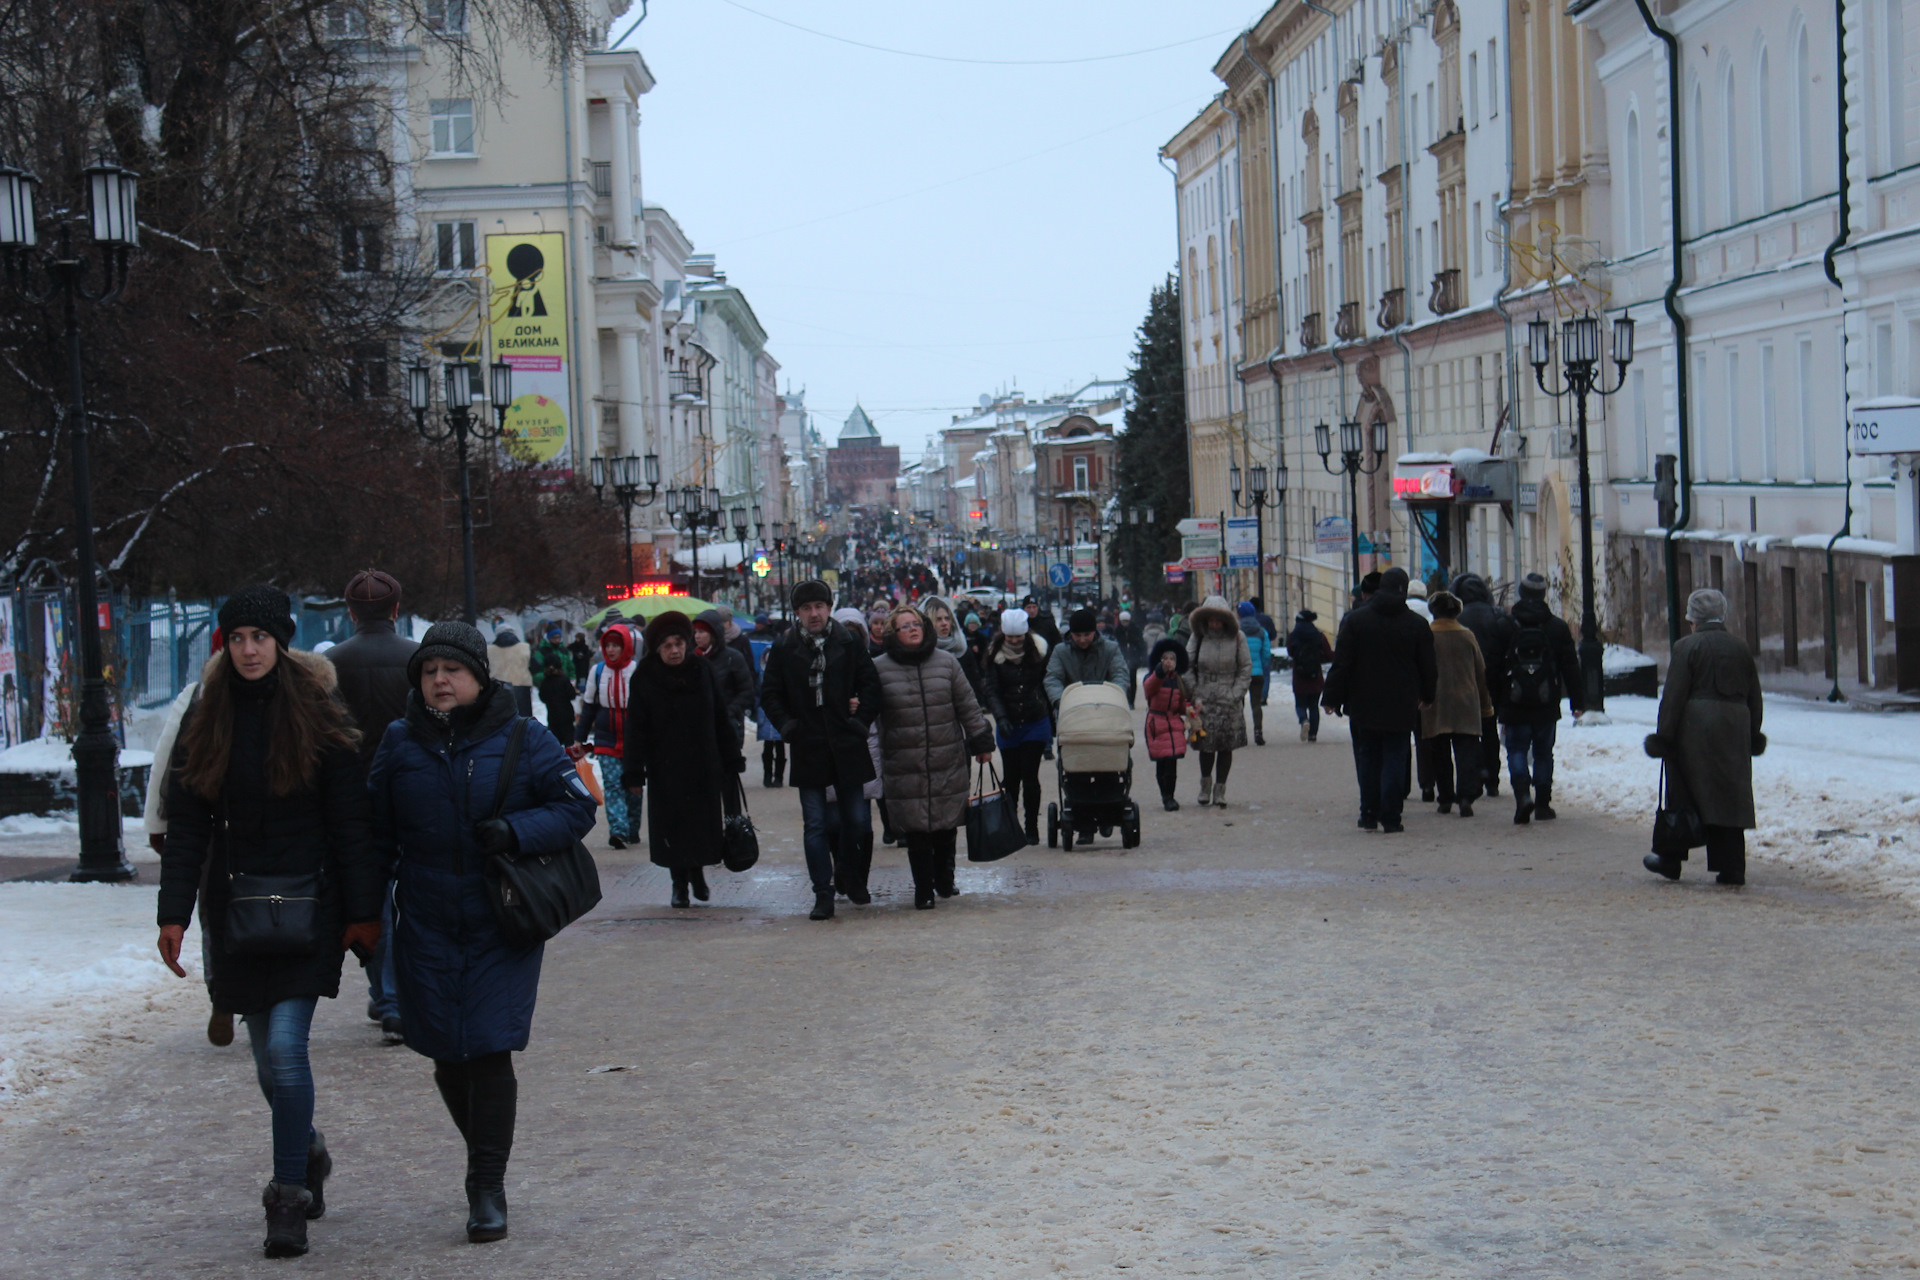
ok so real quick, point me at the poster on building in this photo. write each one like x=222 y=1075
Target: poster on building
x=9 y=678
x=1086 y=562
x=1330 y=535
x=50 y=684
x=528 y=318
x=1243 y=542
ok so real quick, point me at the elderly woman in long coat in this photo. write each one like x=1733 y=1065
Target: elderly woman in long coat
x=930 y=724
x=1222 y=672
x=1708 y=734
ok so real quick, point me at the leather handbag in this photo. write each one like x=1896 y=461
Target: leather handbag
x=536 y=895
x=1675 y=830
x=739 y=843
x=270 y=915
x=992 y=830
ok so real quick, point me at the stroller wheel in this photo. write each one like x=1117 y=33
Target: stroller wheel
x=1053 y=825
x=1130 y=836
x=1106 y=829
x=1066 y=836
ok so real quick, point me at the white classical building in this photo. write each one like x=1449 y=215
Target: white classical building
x=1787 y=246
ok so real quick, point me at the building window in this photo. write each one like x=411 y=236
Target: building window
x=1473 y=90
x=1479 y=242
x=1804 y=375
x=1631 y=187
x=447 y=17
x=1803 y=149
x=1894 y=75
x=1730 y=145
x=453 y=352
x=455 y=246
x=359 y=248
x=1763 y=133
x=1641 y=443
x=346 y=21
x=453 y=126
x=1080 y=484
x=1769 y=441
x=1493 y=79
x=367 y=371
x=1733 y=415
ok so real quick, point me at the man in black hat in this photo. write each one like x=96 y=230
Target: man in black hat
x=1088 y=657
x=822 y=694
x=373 y=683
x=1040 y=622
x=1537 y=666
x=1383 y=675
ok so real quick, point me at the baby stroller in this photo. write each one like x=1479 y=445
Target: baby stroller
x=1095 y=761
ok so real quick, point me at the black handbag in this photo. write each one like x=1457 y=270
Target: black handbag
x=537 y=895
x=992 y=830
x=270 y=915
x=1675 y=830
x=739 y=843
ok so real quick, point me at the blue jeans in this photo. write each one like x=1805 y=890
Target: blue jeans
x=278 y=1038
x=1381 y=761
x=381 y=993
x=1531 y=739
x=847 y=819
x=1309 y=713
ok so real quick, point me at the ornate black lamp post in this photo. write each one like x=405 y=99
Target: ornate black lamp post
x=1579 y=373
x=694 y=509
x=1259 y=500
x=116 y=232
x=458 y=423
x=1350 y=463
x=628 y=475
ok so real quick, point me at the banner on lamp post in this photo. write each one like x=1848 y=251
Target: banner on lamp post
x=527 y=319
x=1243 y=542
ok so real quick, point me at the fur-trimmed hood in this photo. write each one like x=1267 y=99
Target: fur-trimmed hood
x=1035 y=654
x=1214 y=609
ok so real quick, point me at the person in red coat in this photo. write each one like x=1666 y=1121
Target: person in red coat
x=1169 y=703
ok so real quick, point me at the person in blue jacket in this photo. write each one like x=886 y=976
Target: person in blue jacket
x=466 y=993
x=1260 y=649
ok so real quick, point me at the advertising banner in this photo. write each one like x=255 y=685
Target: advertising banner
x=1330 y=536
x=1243 y=542
x=1201 y=551
x=528 y=317
x=9 y=678
x=1086 y=562
x=1176 y=571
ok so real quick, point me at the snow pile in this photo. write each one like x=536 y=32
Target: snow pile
x=68 y=824
x=1836 y=791
x=55 y=755
x=84 y=980
x=1619 y=660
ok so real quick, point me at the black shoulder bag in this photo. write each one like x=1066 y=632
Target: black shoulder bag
x=270 y=915
x=535 y=896
x=1675 y=830
x=739 y=844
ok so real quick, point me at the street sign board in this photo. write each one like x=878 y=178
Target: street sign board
x=1243 y=542
x=1330 y=535
x=1086 y=562
x=1201 y=551
x=1176 y=571
x=1885 y=424
x=1195 y=526
x=1059 y=575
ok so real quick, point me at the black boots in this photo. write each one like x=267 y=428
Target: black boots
x=1662 y=866
x=822 y=907
x=286 y=1208
x=1033 y=825
x=680 y=889
x=319 y=1166
x=1522 y=806
x=923 y=862
x=851 y=872
x=1543 y=805
x=492 y=1107
x=943 y=874
x=697 y=879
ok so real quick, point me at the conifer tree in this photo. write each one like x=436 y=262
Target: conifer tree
x=1151 y=453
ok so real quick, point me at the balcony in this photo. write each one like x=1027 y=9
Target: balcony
x=685 y=388
x=1346 y=324
x=1310 y=330
x=1445 y=297
x=1393 y=309
x=602 y=179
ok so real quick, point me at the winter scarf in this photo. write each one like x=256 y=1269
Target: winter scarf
x=614 y=686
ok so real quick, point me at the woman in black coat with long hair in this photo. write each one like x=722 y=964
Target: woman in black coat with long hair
x=682 y=741
x=264 y=793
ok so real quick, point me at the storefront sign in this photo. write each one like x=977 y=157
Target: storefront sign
x=527 y=275
x=621 y=591
x=1886 y=424
x=1243 y=542
x=1429 y=483
x=1176 y=571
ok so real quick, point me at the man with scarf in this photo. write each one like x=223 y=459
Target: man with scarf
x=603 y=728
x=821 y=692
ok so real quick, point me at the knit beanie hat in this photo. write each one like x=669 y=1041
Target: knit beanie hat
x=262 y=606
x=1394 y=580
x=1014 y=622
x=1246 y=609
x=851 y=617
x=456 y=640
x=1083 y=620
x=1533 y=586
x=812 y=591
x=1417 y=589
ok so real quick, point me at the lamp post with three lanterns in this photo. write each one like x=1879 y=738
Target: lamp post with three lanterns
x=116 y=233
x=692 y=509
x=458 y=422
x=628 y=474
x=1259 y=500
x=1351 y=439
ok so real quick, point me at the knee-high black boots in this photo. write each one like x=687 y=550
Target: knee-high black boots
x=484 y=1109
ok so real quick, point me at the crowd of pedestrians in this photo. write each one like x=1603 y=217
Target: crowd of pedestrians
x=370 y=797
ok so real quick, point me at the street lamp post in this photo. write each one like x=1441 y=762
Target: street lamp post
x=1580 y=376
x=746 y=570
x=697 y=509
x=1351 y=439
x=116 y=232
x=460 y=422
x=628 y=475
x=1257 y=501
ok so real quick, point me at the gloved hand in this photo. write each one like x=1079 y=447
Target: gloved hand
x=361 y=939
x=1655 y=746
x=1759 y=744
x=496 y=837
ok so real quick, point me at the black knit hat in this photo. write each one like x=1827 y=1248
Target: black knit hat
x=456 y=640
x=813 y=591
x=262 y=606
x=1082 y=620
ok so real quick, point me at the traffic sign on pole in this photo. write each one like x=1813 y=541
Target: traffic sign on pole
x=1060 y=575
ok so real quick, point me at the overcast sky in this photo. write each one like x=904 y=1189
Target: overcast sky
x=918 y=233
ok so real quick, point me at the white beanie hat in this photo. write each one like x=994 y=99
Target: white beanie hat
x=851 y=616
x=1013 y=622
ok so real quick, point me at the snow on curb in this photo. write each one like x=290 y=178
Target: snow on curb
x=85 y=981
x=1838 y=790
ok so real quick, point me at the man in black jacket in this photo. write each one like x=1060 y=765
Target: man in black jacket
x=1537 y=666
x=1490 y=627
x=821 y=692
x=373 y=683
x=1382 y=676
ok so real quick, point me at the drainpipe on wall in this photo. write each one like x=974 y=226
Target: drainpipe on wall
x=578 y=433
x=1670 y=301
x=1829 y=260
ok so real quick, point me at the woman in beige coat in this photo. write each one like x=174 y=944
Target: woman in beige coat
x=1461 y=702
x=1222 y=671
x=930 y=724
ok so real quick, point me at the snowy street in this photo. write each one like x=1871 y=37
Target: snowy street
x=1263 y=1044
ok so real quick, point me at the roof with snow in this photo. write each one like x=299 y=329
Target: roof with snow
x=859 y=428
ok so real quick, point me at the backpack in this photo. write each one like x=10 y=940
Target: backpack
x=1530 y=674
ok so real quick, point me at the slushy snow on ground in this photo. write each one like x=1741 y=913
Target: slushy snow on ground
x=1838 y=789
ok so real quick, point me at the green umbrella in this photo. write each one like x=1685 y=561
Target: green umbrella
x=644 y=609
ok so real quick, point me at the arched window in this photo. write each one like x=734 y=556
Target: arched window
x=1632 y=190
x=1193 y=283
x=1730 y=146
x=1893 y=78
x=1213 y=276
x=1762 y=133
x=1804 y=180
x=1696 y=163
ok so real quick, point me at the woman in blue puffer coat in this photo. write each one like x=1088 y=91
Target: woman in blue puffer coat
x=466 y=993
